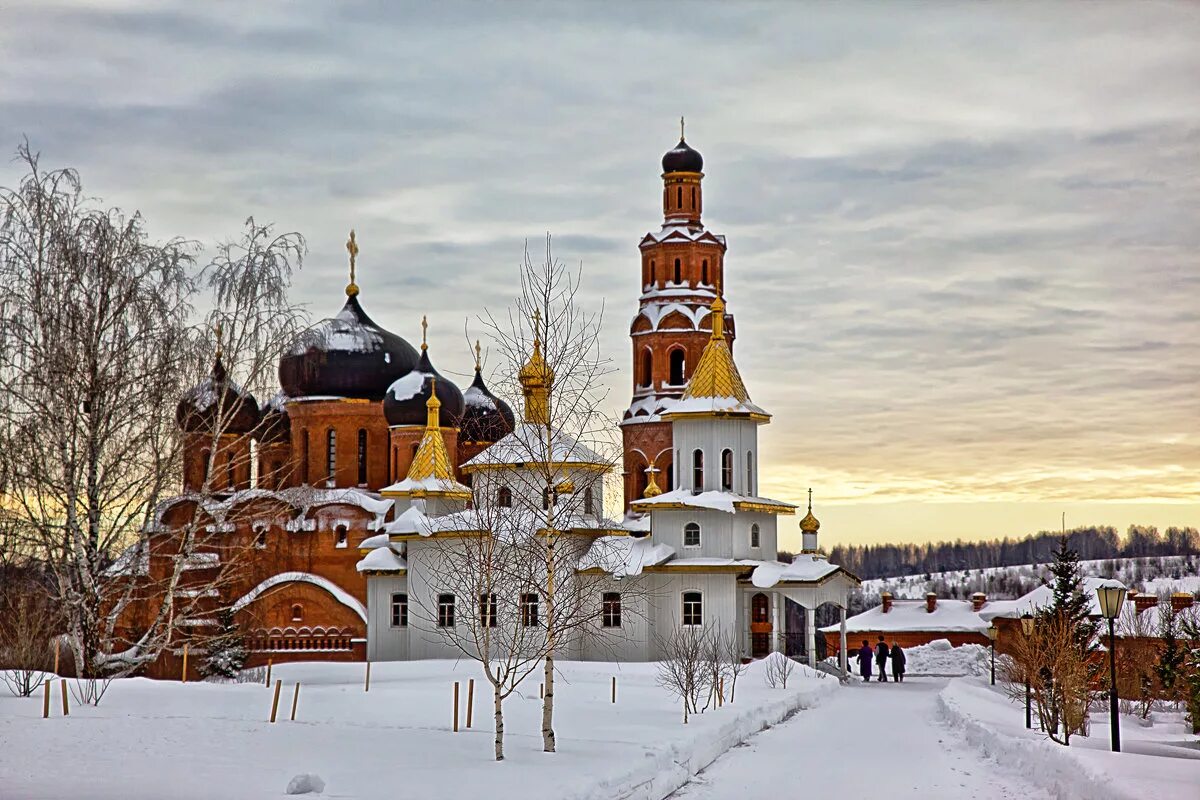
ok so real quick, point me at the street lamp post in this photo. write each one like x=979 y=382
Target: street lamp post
x=1027 y=629
x=1112 y=595
x=991 y=634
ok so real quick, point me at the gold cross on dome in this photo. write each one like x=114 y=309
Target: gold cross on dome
x=681 y=129
x=352 y=249
x=424 y=333
x=537 y=324
x=478 y=356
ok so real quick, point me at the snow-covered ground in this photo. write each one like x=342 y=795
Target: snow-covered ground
x=939 y=658
x=159 y=739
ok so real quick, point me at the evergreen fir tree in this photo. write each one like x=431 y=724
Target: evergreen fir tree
x=1173 y=654
x=1069 y=599
x=226 y=650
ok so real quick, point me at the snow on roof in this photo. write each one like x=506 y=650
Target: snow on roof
x=338 y=593
x=715 y=405
x=431 y=485
x=343 y=332
x=412 y=520
x=717 y=501
x=948 y=616
x=624 y=556
x=506 y=524
x=647 y=409
x=656 y=312
x=313 y=498
x=681 y=232
x=527 y=444
x=804 y=568
x=381 y=559
x=407 y=386
x=1042 y=597
x=371 y=542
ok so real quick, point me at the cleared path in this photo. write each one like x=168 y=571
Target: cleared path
x=867 y=741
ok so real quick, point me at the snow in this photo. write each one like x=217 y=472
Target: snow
x=409 y=486
x=693 y=312
x=527 y=444
x=412 y=520
x=681 y=232
x=804 y=568
x=382 y=559
x=306 y=783
x=910 y=615
x=716 y=405
x=338 y=593
x=342 y=333
x=1161 y=762
x=714 y=500
x=407 y=386
x=206 y=740
x=1041 y=597
x=624 y=556
x=940 y=658
x=647 y=409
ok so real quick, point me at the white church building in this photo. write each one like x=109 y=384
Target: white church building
x=704 y=555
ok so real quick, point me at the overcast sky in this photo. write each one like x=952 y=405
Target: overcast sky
x=963 y=240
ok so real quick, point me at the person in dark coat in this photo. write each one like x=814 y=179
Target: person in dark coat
x=881 y=657
x=898 y=662
x=865 y=654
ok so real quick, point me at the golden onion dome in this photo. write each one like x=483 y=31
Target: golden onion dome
x=810 y=524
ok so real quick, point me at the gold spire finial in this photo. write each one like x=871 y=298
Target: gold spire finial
x=431 y=473
x=652 y=489
x=432 y=407
x=718 y=319
x=478 y=356
x=352 y=249
x=536 y=377
x=681 y=129
x=424 y=333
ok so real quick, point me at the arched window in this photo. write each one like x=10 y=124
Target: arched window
x=679 y=197
x=647 y=367
x=260 y=536
x=677 y=357
x=693 y=609
x=693 y=198
x=331 y=455
x=297 y=612
x=362 y=456
x=652 y=278
x=750 y=472
x=697 y=471
x=678 y=271
x=669 y=471
x=755 y=538
x=415 y=447
x=691 y=534
x=589 y=501
x=704 y=271
x=340 y=536
x=727 y=470
x=504 y=497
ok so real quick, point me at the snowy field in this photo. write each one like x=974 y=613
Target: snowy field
x=159 y=739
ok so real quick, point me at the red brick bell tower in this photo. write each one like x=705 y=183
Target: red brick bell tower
x=682 y=273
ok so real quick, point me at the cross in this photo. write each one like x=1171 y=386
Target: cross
x=537 y=322
x=810 y=500
x=424 y=332
x=352 y=249
x=681 y=129
x=478 y=356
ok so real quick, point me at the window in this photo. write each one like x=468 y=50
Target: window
x=341 y=536
x=399 y=610
x=331 y=455
x=678 y=272
x=589 y=501
x=679 y=197
x=704 y=271
x=691 y=534
x=529 y=609
x=297 y=613
x=205 y=457
x=362 y=456
x=677 y=356
x=693 y=198
x=727 y=470
x=750 y=472
x=260 y=536
x=487 y=610
x=647 y=367
x=693 y=608
x=610 y=610
x=304 y=456
x=755 y=538
x=652 y=278
x=445 y=611
x=670 y=472
x=697 y=471
x=504 y=497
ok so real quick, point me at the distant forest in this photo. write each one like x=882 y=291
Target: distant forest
x=892 y=560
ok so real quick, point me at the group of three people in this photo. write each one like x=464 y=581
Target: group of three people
x=880 y=656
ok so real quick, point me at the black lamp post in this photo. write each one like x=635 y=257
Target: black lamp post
x=1112 y=595
x=991 y=635
x=1027 y=629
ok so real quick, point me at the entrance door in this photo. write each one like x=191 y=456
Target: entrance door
x=760 y=625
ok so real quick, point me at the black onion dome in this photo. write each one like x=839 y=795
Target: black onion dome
x=404 y=403
x=345 y=356
x=487 y=418
x=683 y=159
x=275 y=424
x=217 y=401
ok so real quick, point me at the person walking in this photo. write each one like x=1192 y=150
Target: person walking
x=881 y=657
x=865 y=654
x=898 y=662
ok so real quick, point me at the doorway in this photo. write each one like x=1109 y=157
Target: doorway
x=760 y=625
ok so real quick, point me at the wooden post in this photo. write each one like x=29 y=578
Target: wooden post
x=456 y=706
x=275 y=700
x=267 y=682
x=46 y=701
x=367 y=685
x=62 y=687
x=614 y=689
x=295 y=700
x=721 y=692
x=56 y=644
x=470 y=700
x=185 y=655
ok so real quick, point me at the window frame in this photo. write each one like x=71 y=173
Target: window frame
x=446 y=610
x=755 y=536
x=750 y=473
x=489 y=613
x=362 y=456
x=610 y=610
x=693 y=526
x=331 y=456
x=727 y=470
x=530 y=603
x=697 y=470
x=677 y=354
x=691 y=608
x=504 y=497
x=399 y=610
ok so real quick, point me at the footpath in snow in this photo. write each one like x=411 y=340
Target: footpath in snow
x=159 y=739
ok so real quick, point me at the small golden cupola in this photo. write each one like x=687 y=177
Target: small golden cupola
x=536 y=378
x=431 y=473
x=808 y=529
x=652 y=489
